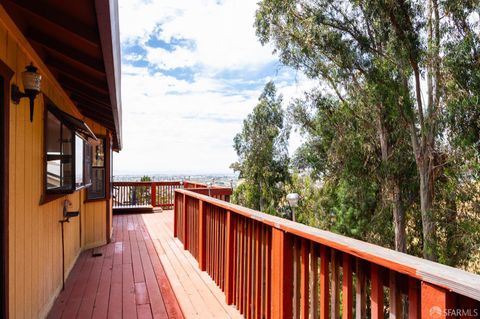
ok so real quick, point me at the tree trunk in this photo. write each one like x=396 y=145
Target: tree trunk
x=399 y=218
x=452 y=242
x=426 y=201
x=392 y=190
x=260 y=199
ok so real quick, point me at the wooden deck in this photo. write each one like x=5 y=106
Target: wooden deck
x=143 y=273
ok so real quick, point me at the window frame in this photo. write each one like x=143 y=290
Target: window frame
x=55 y=193
x=92 y=197
x=6 y=75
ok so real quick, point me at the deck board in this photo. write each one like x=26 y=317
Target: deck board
x=120 y=283
x=143 y=273
x=197 y=293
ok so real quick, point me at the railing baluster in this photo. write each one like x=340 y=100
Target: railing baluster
x=229 y=260
x=222 y=250
x=324 y=284
x=376 y=292
x=269 y=233
x=241 y=267
x=209 y=240
x=217 y=246
x=258 y=277
x=304 y=279
x=249 y=270
x=238 y=252
x=335 y=296
x=395 y=297
x=262 y=271
x=185 y=223
x=245 y=267
x=313 y=281
x=296 y=278
x=361 y=291
x=347 y=287
x=196 y=228
x=282 y=271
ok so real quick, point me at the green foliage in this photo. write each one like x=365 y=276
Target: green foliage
x=397 y=107
x=142 y=193
x=342 y=151
x=262 y=154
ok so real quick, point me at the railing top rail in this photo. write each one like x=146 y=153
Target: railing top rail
x=159 y=183
x=202 y=185
x=457 y=280
x=167 y=183
x=214 y=191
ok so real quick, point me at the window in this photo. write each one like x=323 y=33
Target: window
x=68 y=166
x=59 y=155
x=97 y=190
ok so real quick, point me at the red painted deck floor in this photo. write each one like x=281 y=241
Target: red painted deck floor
x=143 y=273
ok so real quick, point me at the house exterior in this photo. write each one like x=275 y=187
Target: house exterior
x=60 y=122
x=60 y=160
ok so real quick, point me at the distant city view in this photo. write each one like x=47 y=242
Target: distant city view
x=216 y=179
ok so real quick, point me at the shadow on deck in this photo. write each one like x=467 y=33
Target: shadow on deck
x=143 y=273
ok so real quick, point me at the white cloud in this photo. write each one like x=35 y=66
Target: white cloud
x=178 y=58
x=222 y=31
x=175 y=125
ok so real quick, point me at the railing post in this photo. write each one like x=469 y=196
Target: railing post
x=435 y=302
x=229 y=236
x=282 y=271
x=175 y=215
x=201 y=236
x=154 y=194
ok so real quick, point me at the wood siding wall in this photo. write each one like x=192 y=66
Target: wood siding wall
x=35 y=254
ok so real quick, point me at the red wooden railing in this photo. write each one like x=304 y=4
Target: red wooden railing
x=144 y=194
x=131 y=195
x=270 y=267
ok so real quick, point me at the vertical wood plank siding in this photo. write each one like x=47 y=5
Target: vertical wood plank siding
x=34 y=249
x=268 y=268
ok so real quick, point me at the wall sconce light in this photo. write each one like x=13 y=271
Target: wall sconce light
x=31 y=82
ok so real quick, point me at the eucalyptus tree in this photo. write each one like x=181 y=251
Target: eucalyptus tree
x=262 y=149
x=390 y=56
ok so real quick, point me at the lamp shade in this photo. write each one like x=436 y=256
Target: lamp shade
x=292 y=199
x=31 y=79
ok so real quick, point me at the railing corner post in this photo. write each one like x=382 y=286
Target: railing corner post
x=282 y=274
x=154 y=194
x=435 y=301
x=175 y=215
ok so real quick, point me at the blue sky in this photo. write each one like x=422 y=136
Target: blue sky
x=191 y=72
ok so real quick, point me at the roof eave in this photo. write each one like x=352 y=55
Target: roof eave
x=108 y=26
